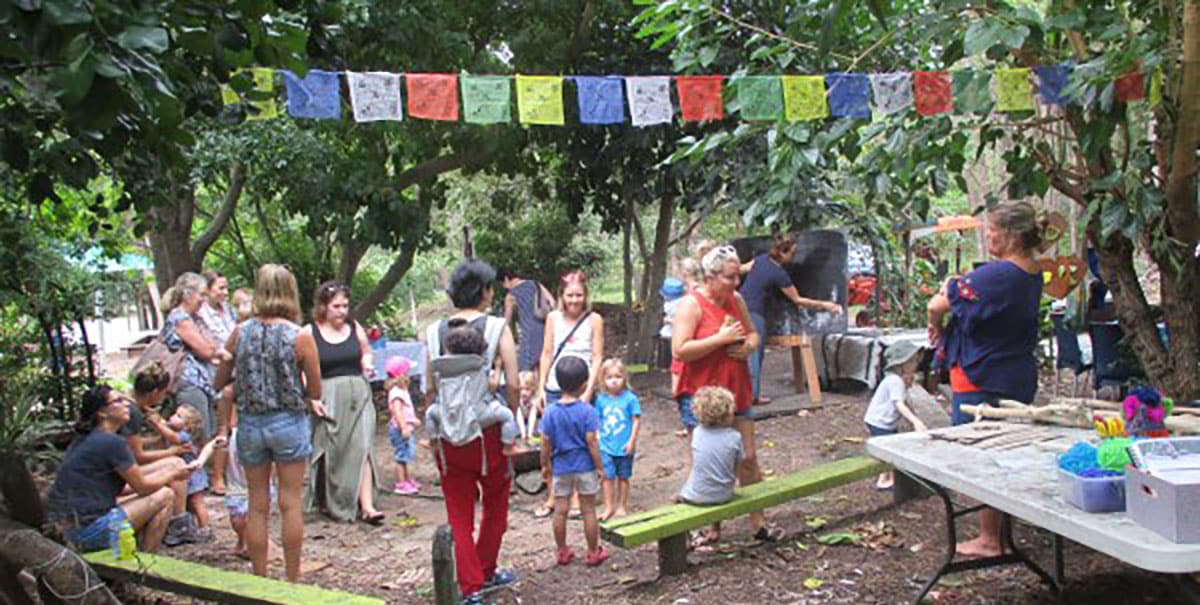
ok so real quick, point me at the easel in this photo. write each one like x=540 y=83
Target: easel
x=804 y=365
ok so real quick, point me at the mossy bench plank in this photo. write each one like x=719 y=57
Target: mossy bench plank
x=212 y=584
x=669 y=525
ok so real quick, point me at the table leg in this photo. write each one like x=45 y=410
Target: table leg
x=1021 y=557
x=1060 y=575
x=1188 y=589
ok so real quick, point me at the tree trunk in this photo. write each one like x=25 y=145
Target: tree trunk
x=20 y=493
x=400 y=266
x=22 y=547
x=627 y=269
x=171 y=245
x=656 y=270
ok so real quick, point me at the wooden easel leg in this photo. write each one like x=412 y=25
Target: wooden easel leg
x=797 y=369
x=810 y=371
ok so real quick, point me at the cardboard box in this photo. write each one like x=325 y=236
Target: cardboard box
x=1167 y=503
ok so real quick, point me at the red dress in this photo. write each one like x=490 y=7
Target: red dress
x=717 y=368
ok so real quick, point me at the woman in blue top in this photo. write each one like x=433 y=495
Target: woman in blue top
x=764 y=276
x=522 y=297
x=989 y=342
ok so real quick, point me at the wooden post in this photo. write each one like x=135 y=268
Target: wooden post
x=445 y=580
x=672 y=555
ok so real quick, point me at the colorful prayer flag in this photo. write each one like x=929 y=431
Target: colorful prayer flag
x=760 y=97
x=316 y=96
x=1156 y=87
x=601 y=99
x=893 y=92
x=1052 y=80
x=1014 y=91
x=804 y=98
x=256 y=109
x=539 y=100
x=849 y=95
x=972 y=91
x=931 y=92
x=375 y=96
x=486 y=99
x=700 y=98
x=432 y=96
x=1131 y=87
x=649 y=100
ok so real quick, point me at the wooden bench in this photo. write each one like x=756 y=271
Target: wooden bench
x=669 y=525
x=212 y=584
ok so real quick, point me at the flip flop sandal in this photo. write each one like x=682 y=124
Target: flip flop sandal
x=542 y=512
x=575 y=514
x=374 y=520
x=768 y=534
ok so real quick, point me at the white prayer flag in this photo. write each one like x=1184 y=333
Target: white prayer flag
x=649 y=100
x=375 y=95
x=893 y=92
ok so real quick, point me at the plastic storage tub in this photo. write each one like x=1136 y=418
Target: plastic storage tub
x=1093 y=494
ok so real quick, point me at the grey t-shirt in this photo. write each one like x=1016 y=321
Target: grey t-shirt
x=716 y=453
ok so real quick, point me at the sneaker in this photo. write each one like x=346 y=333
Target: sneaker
x=416 y=484
x=406 y=488
x=596 y=558
x=181 y=529
x=397 y=487
x=499 y=579
x=475 y=599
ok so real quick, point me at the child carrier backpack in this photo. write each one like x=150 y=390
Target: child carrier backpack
x=461 y=383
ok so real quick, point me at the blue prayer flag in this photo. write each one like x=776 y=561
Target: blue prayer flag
x=316 y=96
x=1052 y=79
x=601 y=100
x=849 y=95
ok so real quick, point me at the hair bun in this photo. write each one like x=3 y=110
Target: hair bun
x=1051 y=226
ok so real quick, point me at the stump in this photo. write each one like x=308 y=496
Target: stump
x=445 y=579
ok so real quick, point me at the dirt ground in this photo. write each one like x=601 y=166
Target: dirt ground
x=902 y=545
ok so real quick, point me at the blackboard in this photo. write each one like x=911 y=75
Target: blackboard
x=818 y=271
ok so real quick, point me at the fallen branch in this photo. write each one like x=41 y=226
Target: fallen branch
x=60 y=570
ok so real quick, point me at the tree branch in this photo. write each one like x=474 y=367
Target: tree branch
x=237 y=181
x=441 y=164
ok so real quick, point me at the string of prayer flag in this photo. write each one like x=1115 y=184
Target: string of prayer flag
x=485 y=99
x=601 y=99
x=804 y=98
x=700 y=98
x=432 y=96
x=893 y=92
x=649 y=100
x=316 y=96
x=1014 y=91
x=932 y=92
x=539 y=100
x=375 y=96
x=849 y=95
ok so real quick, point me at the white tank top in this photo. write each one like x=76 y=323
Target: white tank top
x=580 y=345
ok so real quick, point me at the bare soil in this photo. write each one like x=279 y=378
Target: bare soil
x=901 y=547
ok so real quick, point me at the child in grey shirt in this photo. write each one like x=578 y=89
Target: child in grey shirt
x=716 y=453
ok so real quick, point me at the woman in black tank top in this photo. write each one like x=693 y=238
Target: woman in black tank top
x=343 y=462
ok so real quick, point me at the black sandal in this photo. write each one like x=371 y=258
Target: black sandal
x=374 y=520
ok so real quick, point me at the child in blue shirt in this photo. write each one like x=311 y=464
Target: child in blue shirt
x=620 y=416
x=571 y=459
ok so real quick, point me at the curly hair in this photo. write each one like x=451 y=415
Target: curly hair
x=714 y=406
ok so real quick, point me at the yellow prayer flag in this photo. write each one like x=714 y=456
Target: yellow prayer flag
x=1014 y=89
x=1156 y=87
x=264 y=81
x=540 y=100
x=804 y=98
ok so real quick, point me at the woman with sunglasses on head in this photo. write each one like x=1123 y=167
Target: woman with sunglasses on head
x=83 y=501
x=343 y=462
x=572 y=330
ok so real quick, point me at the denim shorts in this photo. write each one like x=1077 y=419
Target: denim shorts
x=976 y=398
x=617 y=467
x=403 y=450
x=197 y=482
x=281 y=436
x=686 y=414
x=238 y=505
x=876 y=431
x=94 y=536
x=586 y=483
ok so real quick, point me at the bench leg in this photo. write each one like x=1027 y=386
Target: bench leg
x=672 y=555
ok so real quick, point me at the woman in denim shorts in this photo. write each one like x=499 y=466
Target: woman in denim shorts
x=274 y=434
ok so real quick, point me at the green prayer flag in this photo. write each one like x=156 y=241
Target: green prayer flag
x=486 y=99
x=1014 y=89
x=760 y=97
x=971 y=91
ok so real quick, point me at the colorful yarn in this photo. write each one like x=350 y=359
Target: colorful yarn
x=1093 y=473
x=1113 y=454
x=1081 y=458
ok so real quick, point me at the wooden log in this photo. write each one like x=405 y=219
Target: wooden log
x=22 y=547
x=445 y=580
x=1061 y=416
x=672 y=554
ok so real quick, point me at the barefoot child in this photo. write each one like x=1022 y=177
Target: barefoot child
x=403 y=424
x=187 y=427
x=571 y=459
x=620 y=417
x=527 y=410
x=900 y=366
x=237 y=503
x=716 y=453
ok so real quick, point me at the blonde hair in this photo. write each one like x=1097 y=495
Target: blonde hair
x=716 y=259
x=572 y=278
x=276 y=294
x=714 y=406
x=527 y=380
x=242 y=296
x=401 y=381
x=691 y=270
x=610 y=364
x=193 y=422
x=186 y=284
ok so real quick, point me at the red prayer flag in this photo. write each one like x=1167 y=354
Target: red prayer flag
x=432 y=96
x=1131 y=87
x=700 y=98
x=931 y=92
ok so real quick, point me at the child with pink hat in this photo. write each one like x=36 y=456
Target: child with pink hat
x=404 y=421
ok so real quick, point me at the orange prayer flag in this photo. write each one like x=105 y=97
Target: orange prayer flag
x=432 y=96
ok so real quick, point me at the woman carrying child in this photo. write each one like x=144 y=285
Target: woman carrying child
x=713 y=336
x=620 y=417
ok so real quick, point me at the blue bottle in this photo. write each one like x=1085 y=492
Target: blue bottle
x=114 y=534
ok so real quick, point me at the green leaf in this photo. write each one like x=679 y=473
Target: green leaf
x=151 y=39
x=708 y=54
x=981 y=36
x=1112 y=218
x=68 y=12
x=846 y=537
x=28 y=6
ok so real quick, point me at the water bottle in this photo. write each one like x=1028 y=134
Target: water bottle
x=126 y=541
x=114 y=535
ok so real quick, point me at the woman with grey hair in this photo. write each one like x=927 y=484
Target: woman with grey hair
x=713 y=335
x=181 y=330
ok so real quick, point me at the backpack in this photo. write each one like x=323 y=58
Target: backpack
x=461 y=382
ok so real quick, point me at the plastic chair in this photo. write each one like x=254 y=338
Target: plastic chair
x=1110 y=368
x=1068 y=354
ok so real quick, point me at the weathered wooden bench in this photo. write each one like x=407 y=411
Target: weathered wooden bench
x=669 y=525
x=212 y=584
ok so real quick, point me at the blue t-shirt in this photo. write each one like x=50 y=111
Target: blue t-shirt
x=615 y=415
x=567 y=426
x=764 y=279
x=89 y=478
